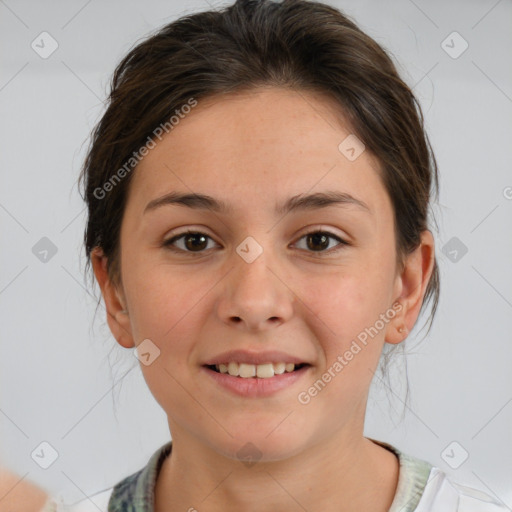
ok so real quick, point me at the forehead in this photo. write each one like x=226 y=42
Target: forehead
x=249 y=147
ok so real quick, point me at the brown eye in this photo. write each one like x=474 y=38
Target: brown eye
x=318 y=241
x=192 y=241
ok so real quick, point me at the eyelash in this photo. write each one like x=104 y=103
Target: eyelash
x=168 y=243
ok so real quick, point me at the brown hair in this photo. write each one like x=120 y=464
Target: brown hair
x=294 y=43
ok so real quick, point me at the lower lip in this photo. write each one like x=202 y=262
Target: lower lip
x=254 y=386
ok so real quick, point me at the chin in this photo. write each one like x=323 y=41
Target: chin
x=251 y=445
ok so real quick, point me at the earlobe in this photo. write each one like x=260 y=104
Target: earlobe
x=397 y=330
x=117 y=317
x=413 y=283
x=121 y=329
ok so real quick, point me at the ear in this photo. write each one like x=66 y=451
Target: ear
x=410 y=288
x=117 y=315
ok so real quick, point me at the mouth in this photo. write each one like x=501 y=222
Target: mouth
x=256 y=381
x=255 y=371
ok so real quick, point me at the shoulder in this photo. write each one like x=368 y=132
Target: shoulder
x=423 y=487
x=95 y=503
x=443 y=494
x=137 y=487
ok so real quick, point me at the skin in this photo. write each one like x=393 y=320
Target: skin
x=254 y=149
x=18 y=494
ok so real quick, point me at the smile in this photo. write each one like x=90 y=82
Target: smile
x=262 y=371
x=247 y=381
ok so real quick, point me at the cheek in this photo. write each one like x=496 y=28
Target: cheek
x=161 y=298
x=166 y=305
x=342 y=299
x=346 y=306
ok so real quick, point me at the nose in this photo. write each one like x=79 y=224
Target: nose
x=255 y=296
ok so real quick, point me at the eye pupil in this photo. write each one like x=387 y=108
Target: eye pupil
x=191 y=236
x=318 y=238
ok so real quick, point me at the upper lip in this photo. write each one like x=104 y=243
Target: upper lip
x=248 y=357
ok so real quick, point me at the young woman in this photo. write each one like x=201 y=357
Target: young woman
x=258 y=193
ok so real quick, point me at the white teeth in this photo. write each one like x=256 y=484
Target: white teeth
x=262 y=371
x=246 y=370
x=233 y=369
x=279 y=368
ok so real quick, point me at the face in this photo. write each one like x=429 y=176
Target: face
x=309 y=281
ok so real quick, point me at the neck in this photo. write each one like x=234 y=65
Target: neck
x=354 y=473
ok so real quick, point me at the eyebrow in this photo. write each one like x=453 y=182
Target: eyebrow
x=296 y=203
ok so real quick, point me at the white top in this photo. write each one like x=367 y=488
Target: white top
x=421 y=488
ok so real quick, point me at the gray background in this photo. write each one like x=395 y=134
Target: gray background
x=61 y=372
